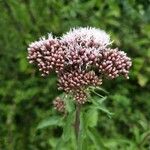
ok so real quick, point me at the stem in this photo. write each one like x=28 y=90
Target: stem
x=77 y=123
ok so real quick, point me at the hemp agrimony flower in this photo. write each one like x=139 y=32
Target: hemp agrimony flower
x=81 y=58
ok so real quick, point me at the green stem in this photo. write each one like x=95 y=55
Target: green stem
x=77 y=125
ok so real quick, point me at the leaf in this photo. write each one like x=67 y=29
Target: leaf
x=119 y=142
x=92 y=134
x=69 y=104
x=145 y=137
x=54 y=120
x=91 y=117
x=137 y=65
x=98 y=105
x=105 y=110
x=98 y=101
x=102 y=89
x=97 y=93
x=23 y=65
x=142 y=80
x=59 y=144
x=136 y=133
x=67 y=127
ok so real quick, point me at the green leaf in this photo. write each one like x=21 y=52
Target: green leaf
x=119 y=142
x=101 y=89
x=69 y=104
x=105 y=110
x=95 y=138
x=98 y=105
x=59 y=144
x=97 y=93
x=91 y=117
x=98 y=101
x=142 y=79
x=67 y=127
x=54 y=120
x=137 y=65
x=144 y=138
x=23 y=64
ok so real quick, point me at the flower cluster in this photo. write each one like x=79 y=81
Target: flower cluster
x=80 y=96
x=48 y=54
x=114 y=63
x=59 y=104
x=84 y=45
x=76 y=80
x=87 y=37
x=81 y=58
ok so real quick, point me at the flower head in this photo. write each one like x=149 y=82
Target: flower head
x=87 y=37
x=47 y=54
x=81 y=58
x=75 y=79
x=59 y=104
x=114 y=63
x=84 y=45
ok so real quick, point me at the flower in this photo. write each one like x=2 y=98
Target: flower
x=74 y=80
x=114 y=63
x=80 y=96
x=81 y=58
x=47 y=54
x=87 y=37
x=83 y=45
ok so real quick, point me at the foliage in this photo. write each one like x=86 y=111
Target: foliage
x=26 y=98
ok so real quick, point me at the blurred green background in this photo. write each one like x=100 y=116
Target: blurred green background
x=26 y=97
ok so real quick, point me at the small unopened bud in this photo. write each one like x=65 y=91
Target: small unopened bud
x=59 y=104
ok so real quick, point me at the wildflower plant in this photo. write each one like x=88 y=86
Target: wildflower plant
x=81 y=59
